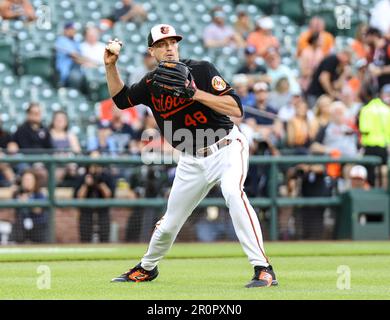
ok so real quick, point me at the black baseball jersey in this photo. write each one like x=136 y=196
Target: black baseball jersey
x=183 y=113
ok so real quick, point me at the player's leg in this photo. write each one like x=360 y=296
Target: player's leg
x=188 y=189
x=245 y=221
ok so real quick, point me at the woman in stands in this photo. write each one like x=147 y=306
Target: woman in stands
x=62 y=139
x=301 y=129
x=309 y=60
x=322 y=110
x=30 y=223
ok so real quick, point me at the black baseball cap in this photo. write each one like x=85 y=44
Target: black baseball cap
x=162 y=31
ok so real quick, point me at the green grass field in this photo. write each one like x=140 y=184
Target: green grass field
x=305 y=270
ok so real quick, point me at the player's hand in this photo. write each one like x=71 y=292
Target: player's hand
x=110 y=58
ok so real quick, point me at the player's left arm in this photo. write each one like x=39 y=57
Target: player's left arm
x=225 y=104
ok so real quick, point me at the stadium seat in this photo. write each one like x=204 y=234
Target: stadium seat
x=330 y=20
x=6 y=53
x=4 y=70
x=293 y=9
x=8 y=81
x=39 y=65
x=267 y=6
x=28 y=81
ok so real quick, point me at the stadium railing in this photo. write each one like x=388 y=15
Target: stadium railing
x=273 y=201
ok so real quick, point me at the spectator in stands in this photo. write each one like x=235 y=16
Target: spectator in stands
x=96 y=183
x=127 y=12
x=264 y=132
x=13 y=150
x=139 y=111
x=267 y=112
x=149 y=181
x=359 y=45
x=5 y=138
x=7 y=174
x=351 y=100
x=32 y=134
x=301 y=130
x=149 y=64
x=262 y=38
x=380 y=57
x=314 y=182
x=17 y=10
x=322 y=110
x=326 y=40
x=251 y=67
x=91 y=48
x=132 y=116
x=362 y=82
x=276 y=70
x=219 y=35
x=281 y=95
x=243 y=26
x=116 y=136
x=380 y=16
x=70 y=178
x=62 y=139
x=337 y=135
x=309 y=60
x=241 y=86
x=287 y=112
x=263 y=117
x=30 y=223
x=330 y=76
x=374 y=120
x=358 y=178
x=248 y=131
x=69 y=60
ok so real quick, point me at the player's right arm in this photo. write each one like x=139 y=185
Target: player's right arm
x=114 y=81
x=123 y=96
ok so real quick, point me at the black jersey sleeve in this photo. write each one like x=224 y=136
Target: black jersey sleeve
x=135 y=94
x=217 y=85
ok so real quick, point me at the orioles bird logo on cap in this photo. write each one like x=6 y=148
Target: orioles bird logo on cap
x=164 y=30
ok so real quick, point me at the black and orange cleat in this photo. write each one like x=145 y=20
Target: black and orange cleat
x=137 y=274
x=264 y=277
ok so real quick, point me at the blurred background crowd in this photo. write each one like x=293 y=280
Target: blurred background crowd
x=309 y=84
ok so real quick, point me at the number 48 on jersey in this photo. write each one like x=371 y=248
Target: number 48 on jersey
x=194 y=119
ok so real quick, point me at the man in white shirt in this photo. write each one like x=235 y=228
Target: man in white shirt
x=91 y=48
x=277 y=70
x=219 y=35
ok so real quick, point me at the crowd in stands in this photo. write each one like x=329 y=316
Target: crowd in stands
x=336 y=103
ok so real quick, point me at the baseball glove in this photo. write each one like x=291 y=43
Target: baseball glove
x=173 y=78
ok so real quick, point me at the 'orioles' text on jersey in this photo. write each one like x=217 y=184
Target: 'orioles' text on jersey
x=183 y=113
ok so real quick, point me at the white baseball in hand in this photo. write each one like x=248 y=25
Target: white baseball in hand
x=114 y=46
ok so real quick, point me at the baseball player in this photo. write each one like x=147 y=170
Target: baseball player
x=188 y=97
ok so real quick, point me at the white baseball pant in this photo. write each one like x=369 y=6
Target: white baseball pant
x=194 y=178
